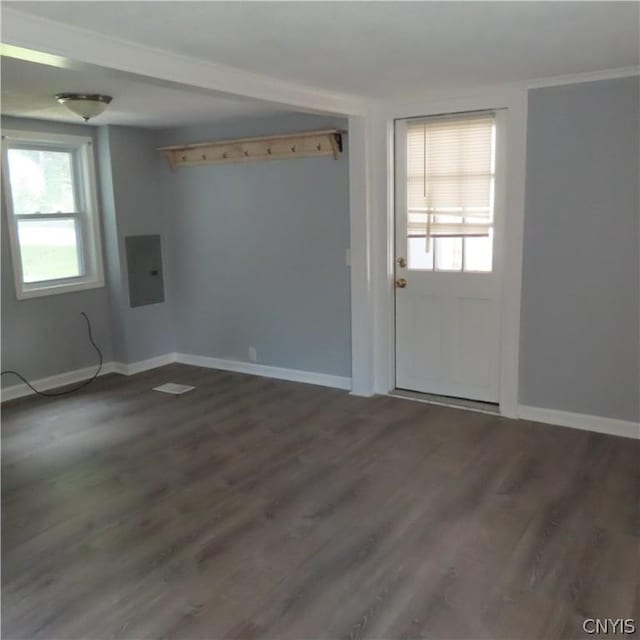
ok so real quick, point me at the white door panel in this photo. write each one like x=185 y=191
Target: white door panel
x=420 y=312
x=473 y=342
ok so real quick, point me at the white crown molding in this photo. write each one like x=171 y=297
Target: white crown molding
x=589 y=76
x=83 y=46
x=293 y=375
x=599 y=424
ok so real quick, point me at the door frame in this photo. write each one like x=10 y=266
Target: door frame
x=383 y=222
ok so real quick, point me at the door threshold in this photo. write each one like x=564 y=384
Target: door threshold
x=448 y=401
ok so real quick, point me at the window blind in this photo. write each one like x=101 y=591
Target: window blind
x=450 y=176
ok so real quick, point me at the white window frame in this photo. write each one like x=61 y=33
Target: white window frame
x=90 y=242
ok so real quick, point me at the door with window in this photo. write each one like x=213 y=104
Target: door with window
x=448 y=255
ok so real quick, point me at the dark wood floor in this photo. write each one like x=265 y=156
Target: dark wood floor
x=255 y=508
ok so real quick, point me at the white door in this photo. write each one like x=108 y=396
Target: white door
x=448 y=254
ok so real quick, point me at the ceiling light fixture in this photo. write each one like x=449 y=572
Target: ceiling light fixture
x=85 y=105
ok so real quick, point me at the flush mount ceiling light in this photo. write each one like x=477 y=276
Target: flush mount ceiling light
x=85 y=105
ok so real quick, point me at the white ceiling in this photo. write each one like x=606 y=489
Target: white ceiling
x=375 y=49
x=28 y=90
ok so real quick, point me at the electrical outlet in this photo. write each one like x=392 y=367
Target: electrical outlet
x=253 y=354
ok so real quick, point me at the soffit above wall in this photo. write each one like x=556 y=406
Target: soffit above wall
x=28 y=90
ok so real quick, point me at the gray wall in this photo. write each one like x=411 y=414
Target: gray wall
x=254 y=255
x=580 y=326
x=133 y=203
x=45 y=336
x=258 y=253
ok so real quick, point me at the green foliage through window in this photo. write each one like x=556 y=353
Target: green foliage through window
x=41 y=181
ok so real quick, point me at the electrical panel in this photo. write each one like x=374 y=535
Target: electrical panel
x=144 y=269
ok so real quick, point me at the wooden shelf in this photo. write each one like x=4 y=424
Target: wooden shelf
x=327 y=142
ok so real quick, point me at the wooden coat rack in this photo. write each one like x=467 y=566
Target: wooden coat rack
x=294 y=145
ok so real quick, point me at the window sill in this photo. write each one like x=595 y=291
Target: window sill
x=39 y=290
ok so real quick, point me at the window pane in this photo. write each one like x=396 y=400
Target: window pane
x=478 y=253
x=49 y=249
x=448 y=254
x=419 y=257
x=41 y=181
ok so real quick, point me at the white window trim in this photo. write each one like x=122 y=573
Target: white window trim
x=91 y=237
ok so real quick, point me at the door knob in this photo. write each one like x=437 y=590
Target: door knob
x=402 y=262
x=401 y=283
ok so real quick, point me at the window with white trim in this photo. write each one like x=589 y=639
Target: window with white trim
x=450 y=192
x=52 y=213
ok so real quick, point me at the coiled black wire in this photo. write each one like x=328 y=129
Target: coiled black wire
x=82 y=385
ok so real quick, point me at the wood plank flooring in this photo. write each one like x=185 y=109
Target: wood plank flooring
x=256 y=508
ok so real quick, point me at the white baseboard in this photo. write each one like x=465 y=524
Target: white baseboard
x=293 y=375
x=78 y=375
x=599 y=424
x=144 y=365
x=52 y=382
x=612 y=426
x=72 y=377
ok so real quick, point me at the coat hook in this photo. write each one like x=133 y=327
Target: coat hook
x=184 y=158
x=204 y=156
x=224 y=156
x=319 y=147
x=269 y=150
x=246 y=154
x=293 y=148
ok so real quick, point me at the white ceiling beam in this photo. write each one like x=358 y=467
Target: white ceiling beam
x=32 y=32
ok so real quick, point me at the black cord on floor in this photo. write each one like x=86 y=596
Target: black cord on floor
x=52 y=394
